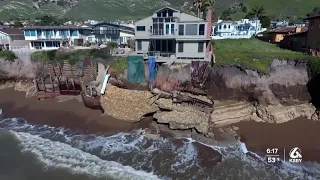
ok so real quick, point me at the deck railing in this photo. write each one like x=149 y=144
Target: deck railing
x=162 y=32
x=160 y=54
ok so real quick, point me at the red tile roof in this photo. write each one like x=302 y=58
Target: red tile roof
x=313 y=17
x=302 y=33
x=287 y=30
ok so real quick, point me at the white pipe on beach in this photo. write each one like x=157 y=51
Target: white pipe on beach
x=104 y=85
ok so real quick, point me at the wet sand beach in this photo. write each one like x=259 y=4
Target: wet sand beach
x=302 y=133
x=71 y=114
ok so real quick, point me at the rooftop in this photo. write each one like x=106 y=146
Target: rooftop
x=303 y=33
x=287 y=29
x=313 y=17
x=55 y=27
x=11 y=31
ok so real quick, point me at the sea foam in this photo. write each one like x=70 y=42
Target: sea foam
x=58 y=154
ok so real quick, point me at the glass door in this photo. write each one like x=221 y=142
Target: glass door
x=167 y=29
x=172 y=29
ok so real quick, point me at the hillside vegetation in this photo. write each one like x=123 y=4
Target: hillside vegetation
x=257 y=55
x=101 y=55
x=135 y=9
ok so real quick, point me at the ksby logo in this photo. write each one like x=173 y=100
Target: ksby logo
x=295 y=155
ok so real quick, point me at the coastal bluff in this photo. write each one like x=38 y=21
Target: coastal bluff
x=237 y=94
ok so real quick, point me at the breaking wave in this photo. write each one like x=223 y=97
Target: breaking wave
x=148 y=158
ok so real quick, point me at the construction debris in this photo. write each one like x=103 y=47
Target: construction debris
x=181 y=117
x=129 y=105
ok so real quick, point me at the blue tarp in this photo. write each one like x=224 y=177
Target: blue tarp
x=152 y=68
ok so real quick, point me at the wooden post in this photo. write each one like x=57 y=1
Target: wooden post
x=90 y=90
x=67 y=83
x=53 y=69
x=44 y=86
x=72 y=82
x=36 y=85
x=61 y=73
x=52 y=83
x=58 y=84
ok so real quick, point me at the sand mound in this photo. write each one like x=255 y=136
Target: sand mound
x=129 y=105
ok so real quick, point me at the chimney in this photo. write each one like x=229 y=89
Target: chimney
x=298 y=29
x=209 y=29
x=209 y=20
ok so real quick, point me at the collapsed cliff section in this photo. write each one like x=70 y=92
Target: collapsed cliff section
x=241 y=94
x=282 y=94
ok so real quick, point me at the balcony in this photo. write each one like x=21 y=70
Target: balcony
x=53 y=37
x=161 y=54
x=161 y=32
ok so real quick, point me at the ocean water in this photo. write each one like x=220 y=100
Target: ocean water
x=37 y=152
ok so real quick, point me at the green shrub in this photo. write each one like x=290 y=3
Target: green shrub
x=55 y=56
x=112 y=44
x=8 y=55
x=118 y=63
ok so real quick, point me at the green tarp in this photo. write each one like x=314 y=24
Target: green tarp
x=135 y=69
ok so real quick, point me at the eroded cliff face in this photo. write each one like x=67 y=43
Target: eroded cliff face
x=19 y=75
x=246 y=95
x=20 y=69
x=286 y=83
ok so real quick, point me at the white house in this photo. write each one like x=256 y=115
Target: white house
x=244 y=28
x=52 y=37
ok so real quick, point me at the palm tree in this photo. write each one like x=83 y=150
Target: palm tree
x=206 y=5
x=202 y=6
x=257 y=12
x=198 y=5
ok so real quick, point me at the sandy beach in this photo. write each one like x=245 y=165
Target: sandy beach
x=70 y=114
x=302 y=133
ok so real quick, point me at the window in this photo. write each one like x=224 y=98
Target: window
x=229 y=27
x=318 y=45
x=181 y=29
x=170 y=13
x=191 y=29
x=200 y=47
x=74 y=33
x=164 y=13
x=159 y=14
x=141 y=28
x=139 y=45
x=311 y=24
x=32 y=32
x=201 y=29
x=219 y=26
x=224 y=26
x=180 y=47
x=26 y=32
